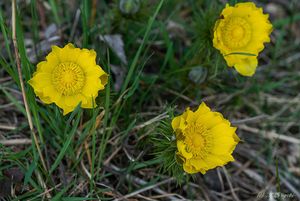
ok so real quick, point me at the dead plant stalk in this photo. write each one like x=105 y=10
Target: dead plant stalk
x=14 y=38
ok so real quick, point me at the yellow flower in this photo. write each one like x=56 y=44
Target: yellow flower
x=204 y=138
x=69 y=76
x=240 y=34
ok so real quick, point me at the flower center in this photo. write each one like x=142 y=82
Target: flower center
x=198 y=140
x=68 y=78
x=236 y=33
x=195 y=142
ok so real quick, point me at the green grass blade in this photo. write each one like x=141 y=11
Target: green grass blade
x=68 y=140
x=145 y=39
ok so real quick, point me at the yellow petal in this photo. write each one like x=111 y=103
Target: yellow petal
x=95 y=70
x=246 y=66
x=51 y=93
x=176 y=122
x=44 y=99
x=189 y=169
x=226 y=158
x=92 y=86
x=182 y=150
x=73 y=101
x=179 y=123
x=40 y=80
x=66 y=54
x=211 y=119
x=45 y=67
x=223 y=129
x=190 y=116
x=225 y=139
x=200 y=165
x=214 y=161
x=53 y=56
x=64 y=104
x=67 y=110
x=87 y=60
x=90 y=102
x=202 y=109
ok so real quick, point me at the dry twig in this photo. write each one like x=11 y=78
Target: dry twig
x=13 y=142
x=270 y=134
x=14 y=37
